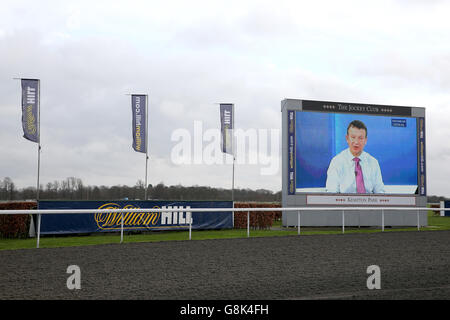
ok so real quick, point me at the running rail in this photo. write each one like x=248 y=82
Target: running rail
x=39 y=212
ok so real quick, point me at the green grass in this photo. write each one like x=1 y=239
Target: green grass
x=434 y=223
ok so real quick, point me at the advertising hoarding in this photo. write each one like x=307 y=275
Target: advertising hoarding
x=133 y=221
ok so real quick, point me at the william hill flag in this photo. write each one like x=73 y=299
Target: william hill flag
x=227 y=126
x=30 y=105
x=138 y=107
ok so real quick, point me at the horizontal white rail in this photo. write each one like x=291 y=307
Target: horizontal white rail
x=87 y=211
x=39 y=212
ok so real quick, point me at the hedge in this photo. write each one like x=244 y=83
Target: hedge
x=258 y=219
x=15 y=225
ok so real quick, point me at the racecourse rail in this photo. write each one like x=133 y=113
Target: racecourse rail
x=39 y=212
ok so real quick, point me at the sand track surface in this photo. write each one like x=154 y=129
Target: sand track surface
x=413 y=265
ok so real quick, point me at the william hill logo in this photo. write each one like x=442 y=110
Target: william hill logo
x=141 y=220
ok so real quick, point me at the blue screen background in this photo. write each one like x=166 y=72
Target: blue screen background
x=320 y=136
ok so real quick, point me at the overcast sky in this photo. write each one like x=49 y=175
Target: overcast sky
x=190 y=55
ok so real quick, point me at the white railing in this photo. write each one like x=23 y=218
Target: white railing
x=39 y=212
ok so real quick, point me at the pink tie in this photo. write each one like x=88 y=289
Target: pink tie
x=359 y=177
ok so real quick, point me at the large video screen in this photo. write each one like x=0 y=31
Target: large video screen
x=350 y=153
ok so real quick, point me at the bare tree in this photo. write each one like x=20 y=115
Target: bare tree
x=7 y=189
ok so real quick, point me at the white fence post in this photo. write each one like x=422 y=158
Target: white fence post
x=38 y=230
x=248 y=224
x=418 y=221
x=121 y=230
x=298 y=221
x=382 y=219
x=343 y=221
x=190 y=226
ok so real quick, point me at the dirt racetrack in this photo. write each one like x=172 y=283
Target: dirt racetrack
x=414 y=265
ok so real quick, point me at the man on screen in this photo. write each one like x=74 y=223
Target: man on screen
x=354 y=170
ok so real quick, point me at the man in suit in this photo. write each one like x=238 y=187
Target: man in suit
x=353 y=170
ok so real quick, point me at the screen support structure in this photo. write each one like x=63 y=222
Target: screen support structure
x=291 y=197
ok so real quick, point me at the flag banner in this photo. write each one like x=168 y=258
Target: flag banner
x=138 y=107
x=30 y=105
x=226 y=127
x=291 y=151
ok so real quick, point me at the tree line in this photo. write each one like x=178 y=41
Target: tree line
x=73 y=188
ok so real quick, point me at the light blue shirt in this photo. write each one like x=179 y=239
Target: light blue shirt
x=341 y=173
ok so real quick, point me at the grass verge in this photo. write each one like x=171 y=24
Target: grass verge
x=434 y=223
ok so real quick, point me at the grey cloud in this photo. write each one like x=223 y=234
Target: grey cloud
x=254 y=59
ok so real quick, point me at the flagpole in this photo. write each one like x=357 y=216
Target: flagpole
x=233 y=148
x=232 y=182
x=39 y=139
x=146 y=144
x=234 y=152
x=38 y=132
x=146 y=138
x=38 y=236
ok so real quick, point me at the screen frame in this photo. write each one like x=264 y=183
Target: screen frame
x=289 y=107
